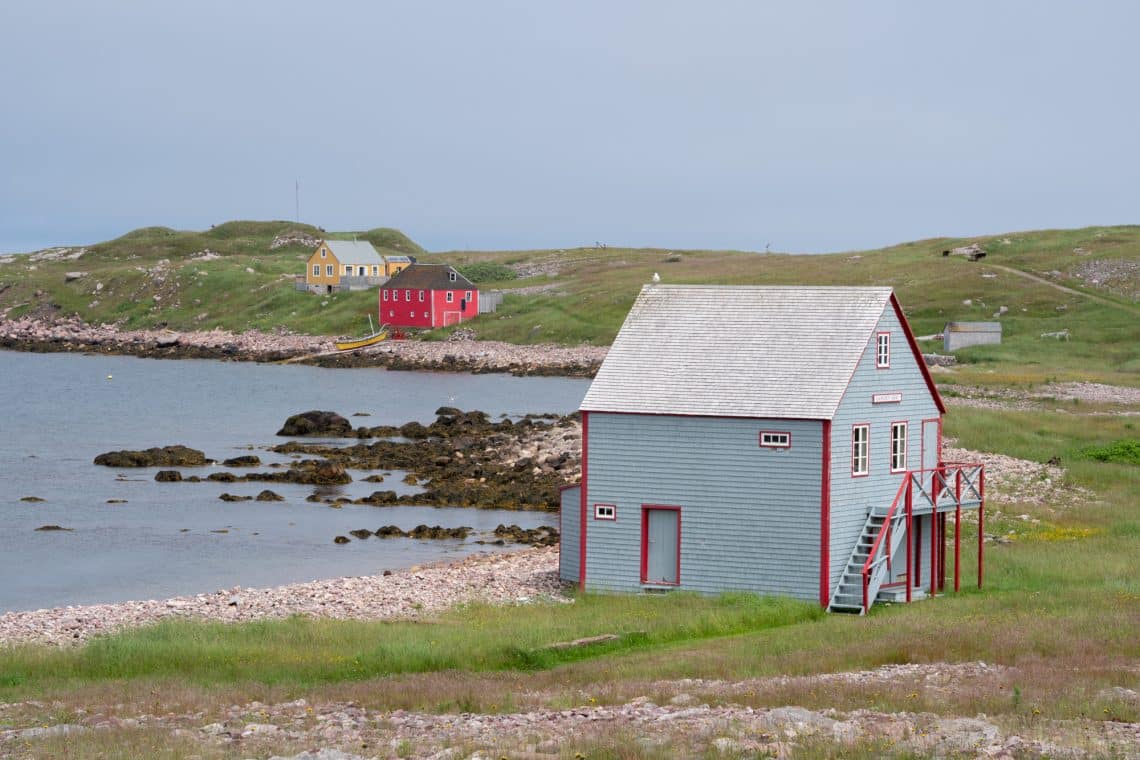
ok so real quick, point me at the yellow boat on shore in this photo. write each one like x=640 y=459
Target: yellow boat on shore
x=368 y=340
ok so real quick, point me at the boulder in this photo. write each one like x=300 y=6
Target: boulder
x=268 y=495
x=360 y=533
x=32 y=499
x=248 y=460
x=317 y=423
x=413 y=430
x=390 y=531
x=168 y=476
x=167 y=456
x=52 y=527
x=341 y=540
x=232 y=497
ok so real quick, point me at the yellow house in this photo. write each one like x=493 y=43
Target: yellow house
x=393 y=265
x=344 y=265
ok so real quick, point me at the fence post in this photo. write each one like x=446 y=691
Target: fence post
x=909 y=535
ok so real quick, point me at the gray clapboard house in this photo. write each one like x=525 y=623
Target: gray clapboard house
x=781 y=440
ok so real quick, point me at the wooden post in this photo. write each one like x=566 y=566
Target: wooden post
x=981 y=524
x=909 y=536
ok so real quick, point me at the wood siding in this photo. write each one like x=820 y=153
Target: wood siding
x=852 y=498
x=749 y=515
x=328 y=259
x=568 y=547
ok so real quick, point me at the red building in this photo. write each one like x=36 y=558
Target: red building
x=428 y=295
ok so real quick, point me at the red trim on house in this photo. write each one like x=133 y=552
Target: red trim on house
x=888 y=364
x=645 y=509
x=611 y=517
x=906 y=447
x=852 y=459
x=825 y=519
x=787 y=445
x=582 y=500
x=918 y=355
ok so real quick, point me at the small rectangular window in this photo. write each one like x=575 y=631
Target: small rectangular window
x=425 y=315
x=451 y=276
x=605 y=512
x=408 y=295
x=385 y=292
x=775 y=440
x=450 y=297
x=329 y=270
x=375 y=270
x=323 y=253
x=883 y=350
x=468 y=296
x=898 y=446
x=316 y=270
x=348 y=270
x=860 y=459
x=421 y=296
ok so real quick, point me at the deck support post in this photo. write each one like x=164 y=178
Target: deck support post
x=958 y=531
x=934 y=534
x=909 y=536
x=981 y=524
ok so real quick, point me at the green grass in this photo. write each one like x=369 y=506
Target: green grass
x=588 y=291
x=304 y=652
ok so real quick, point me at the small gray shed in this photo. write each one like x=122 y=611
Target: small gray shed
x=961 y=334
x=781 y=440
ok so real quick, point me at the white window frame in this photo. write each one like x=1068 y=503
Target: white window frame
x=775 y=439
x=860 y=450
x=421 y=296
x=605 y=511
x=375 y=270
x=329 y=270
x=883 y=350
x=408 y=295
x=316 y=270
x=899 y=432
x=385 y=292
x=467 y=295
x=324 y=252
x=450 y=297
x=451 y=276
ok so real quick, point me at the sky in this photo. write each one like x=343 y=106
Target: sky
x=810 y=126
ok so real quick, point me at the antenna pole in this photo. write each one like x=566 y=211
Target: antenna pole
x=297 y=198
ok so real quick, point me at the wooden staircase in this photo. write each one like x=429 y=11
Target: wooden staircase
x=949 y=488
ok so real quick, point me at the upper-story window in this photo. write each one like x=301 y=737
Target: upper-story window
x=329 y=270
x=324 y=252
x=883 y=350
x=860 y=458
x=385 y=292
x=898 y=446
x=450 y=296
x=408 y=295
x=451 y=276
x=421 y=296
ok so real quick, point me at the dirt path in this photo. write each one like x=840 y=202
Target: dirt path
x=1065 y=289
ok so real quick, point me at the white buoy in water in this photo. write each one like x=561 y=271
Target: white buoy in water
x=109 y=377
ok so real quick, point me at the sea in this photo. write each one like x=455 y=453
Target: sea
x=128 y=537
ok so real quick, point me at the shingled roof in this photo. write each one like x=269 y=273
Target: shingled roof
x=429 y=277
x=739 y=351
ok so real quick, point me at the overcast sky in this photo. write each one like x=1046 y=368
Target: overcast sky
x=809 y=126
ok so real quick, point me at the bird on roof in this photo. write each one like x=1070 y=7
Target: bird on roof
x=656 y=277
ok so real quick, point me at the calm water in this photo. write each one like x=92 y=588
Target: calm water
x=65 y=409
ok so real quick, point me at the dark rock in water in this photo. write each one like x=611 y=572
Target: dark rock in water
x=411 y=479
x=53 y=527
x=222 y=477
x=374 y=479
x=437 y=531
x=167 y=456
x=541 y=536
x=268 y=495
x=360 y=533
x=32 y=499
x=448 y=411
x=413 y=430
x=390 y=531
x=232 y=497
x=116 y=501
x=316 y=423
x=248 y=460
x=361 y=414
x=381 y=497
x=341 y=540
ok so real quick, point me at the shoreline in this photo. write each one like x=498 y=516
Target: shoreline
x=73 y=335
x=515 y=577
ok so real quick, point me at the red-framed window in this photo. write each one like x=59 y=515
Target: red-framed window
x=898 y=446
x=605 y=511
x=883 y=350
x=860 y=450
x=775 y=439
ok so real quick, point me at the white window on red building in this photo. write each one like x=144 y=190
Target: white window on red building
x=450 y=297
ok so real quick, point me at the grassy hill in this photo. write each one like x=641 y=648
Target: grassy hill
x=232 y=277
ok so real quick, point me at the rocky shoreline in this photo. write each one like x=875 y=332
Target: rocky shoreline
x=415 y=592
x=72 y=334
